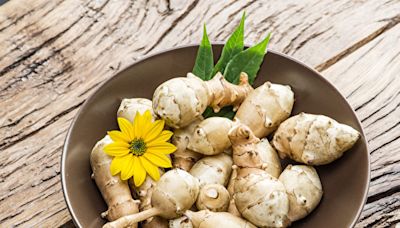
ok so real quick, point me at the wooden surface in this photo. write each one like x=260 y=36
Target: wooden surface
x=54 y=54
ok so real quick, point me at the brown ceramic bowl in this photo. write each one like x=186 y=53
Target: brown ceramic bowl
x=345 y=181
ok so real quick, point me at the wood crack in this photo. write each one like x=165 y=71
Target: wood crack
x=392 y=22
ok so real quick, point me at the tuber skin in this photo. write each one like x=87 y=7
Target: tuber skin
x=175 y=192
x=210 y=136
x=144 y=193
x=304 y=189
x=259 y=197
x=265 y=108
x=213 y=169
x=232 y=206
x=129 y=108
x=182 y=222
x=213 y=197
x=184 y=158
x=313 y=139
x=250 y=151
x=179 y=101
x=115 y=192
x=208 y=219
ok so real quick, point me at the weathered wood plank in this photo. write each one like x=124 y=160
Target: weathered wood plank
x=54 y=54
x=369 y=79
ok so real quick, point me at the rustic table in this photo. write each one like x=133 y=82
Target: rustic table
x=54 y=54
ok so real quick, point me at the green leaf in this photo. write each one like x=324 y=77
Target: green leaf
x=226 y=112
x=248 y=61
x=233 y=46
x=204 y=61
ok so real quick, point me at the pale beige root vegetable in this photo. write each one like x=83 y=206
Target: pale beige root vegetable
x=210 y=136
x=130 y=106
x=182 y=222
x=259 y=197
x=232 y=206
x=184 y=158
x=304 y=189
x=144 y=193
x=265 y=108
x=208 y=219
x=250 y=151
x=115 y=192
x=213 y=197
x=175 y=192
x=181 y=100
x=213 y=169
x=313 y=139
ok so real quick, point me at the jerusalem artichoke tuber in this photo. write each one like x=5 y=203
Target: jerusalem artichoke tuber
x=232 y=206
x=210 y=136
x=183 y=157
x=213 y=173
x=265 y=108
x=179 y=101
x=115 y=192
x=304 y=189
x=213 y=169
x=313 y=139
x=144 y=193
x=253 y=152
x=213 y=197
x=208 y=219
x=259 y=197
x=175 y=192
x=129 y=108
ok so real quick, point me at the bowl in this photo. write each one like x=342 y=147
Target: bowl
x=345 y=181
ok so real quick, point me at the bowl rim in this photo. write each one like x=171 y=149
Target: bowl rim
x=147 y=57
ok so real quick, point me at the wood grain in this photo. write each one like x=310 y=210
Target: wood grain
x=54 y=54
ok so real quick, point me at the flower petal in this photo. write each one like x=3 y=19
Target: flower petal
x=117 y=164
x=138 y=125
x=139 y=172
x=159 y=160
x=126 y=127
x=127 y=170
x=150 y=168
x=163 y=137
x=118 y=136
x=154 y=131
x=161 y=147
x=117 y=149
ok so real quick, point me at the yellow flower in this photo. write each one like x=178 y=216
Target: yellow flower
x=139 y=148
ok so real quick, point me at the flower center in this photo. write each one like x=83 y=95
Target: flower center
x=137 y=147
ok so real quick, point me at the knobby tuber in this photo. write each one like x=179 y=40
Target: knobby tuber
x=144 y=193
x=213 y=197
x=208 y=219
x=313 y=139
x=250 y=151
x=213 y=169
x=115 y=192
x=232 y=206
x=129 y=108
x=304 y=189
x=184 y=158
x=259 y=197
x=213 y=173
x=210 y=136
x=265 y=108
x=181 y=100
x=175 y=192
